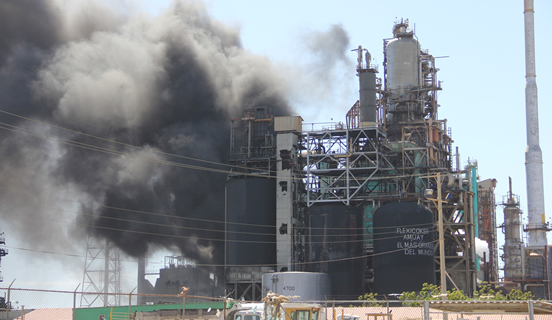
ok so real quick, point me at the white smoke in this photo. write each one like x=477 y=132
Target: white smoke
x=481 y=247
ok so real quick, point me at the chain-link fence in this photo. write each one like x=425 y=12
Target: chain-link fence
x=438 y=310
x=31 y=304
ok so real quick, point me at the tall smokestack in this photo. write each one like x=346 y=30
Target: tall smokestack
x=533 y=156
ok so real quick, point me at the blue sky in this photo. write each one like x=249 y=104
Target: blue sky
x=483 y=94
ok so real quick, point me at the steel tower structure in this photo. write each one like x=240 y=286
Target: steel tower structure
x=102 y=274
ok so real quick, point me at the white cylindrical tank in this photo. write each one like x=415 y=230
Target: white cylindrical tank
x=403 y=64
x=308 y=286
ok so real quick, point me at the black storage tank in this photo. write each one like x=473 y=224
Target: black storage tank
x=251 y=221
x=336 y=247
x=404 y=257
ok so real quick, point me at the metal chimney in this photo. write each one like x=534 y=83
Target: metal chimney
x=533 y=156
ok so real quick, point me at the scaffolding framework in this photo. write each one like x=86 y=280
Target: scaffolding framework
x=354 y=166
x=340 y=163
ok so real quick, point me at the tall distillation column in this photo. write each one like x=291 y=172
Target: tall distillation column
x=536 y=227
x=402 y=79
x=513 y=244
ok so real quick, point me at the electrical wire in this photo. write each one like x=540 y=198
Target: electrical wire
x=228 y=265
x=122 y=143
x=115 y=152
x=215 y=221
x=110 y=151
x=95 y=148
x=209 y=239
x=209 y=230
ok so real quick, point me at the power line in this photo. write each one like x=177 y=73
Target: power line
x=212 y=221
x=205 y=239
x=115 y=152
x=228 y=265
x=121 y=143
x=166 y=162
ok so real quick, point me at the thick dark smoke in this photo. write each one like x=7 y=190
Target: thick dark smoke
x=169 y=83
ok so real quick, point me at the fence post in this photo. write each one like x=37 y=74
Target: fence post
x=531 y=310
x=426 y=310
x=183 y=293
x=326 y=306
x=387 y=304
x=75 y=300
x=8 y=305
x=130 y=302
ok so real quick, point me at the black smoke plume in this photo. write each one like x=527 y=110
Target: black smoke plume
x=169 y=83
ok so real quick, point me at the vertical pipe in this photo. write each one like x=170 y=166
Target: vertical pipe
x=308 y=170
x=249 y=139
x=485 y=267
x=441 y=238
x=225 y=235
x=348 y=170
x=457 y=160
x=547 y=274
x=106 y=274
x=533 y=154
x=523 y=274
x=472 y=219
x=475 y=198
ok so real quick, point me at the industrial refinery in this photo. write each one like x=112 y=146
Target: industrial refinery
x=212 y=155
x=379 y=203
x=363 y=199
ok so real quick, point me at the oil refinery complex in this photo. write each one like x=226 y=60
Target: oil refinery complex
x=379 y=203
x=381 y=197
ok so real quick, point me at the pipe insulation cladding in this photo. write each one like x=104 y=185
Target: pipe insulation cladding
x=536 y=227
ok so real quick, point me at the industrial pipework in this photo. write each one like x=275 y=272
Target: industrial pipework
x=536 y=226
